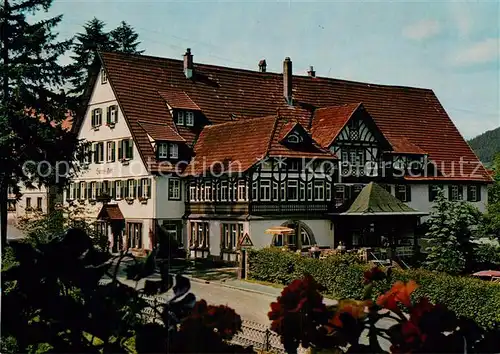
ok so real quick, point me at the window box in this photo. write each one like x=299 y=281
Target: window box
x=110 y=125
x=81 y=201
x=92 y=201
x=130 y=200
x=125 y=161
x=96 y=128
x=143 y=200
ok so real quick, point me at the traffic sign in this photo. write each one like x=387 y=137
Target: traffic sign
x=245 y=241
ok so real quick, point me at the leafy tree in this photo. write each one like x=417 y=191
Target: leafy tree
x=34 y=147
x=451 y=228
x=85 y=61
x=42 y=228
x=492 y=217
x=124 y=39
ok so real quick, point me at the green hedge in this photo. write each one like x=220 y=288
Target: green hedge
x=342 y=276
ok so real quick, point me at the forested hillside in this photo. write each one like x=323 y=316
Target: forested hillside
x=486 y=145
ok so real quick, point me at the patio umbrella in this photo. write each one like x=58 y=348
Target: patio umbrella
x=280 y=230
x=487 y=273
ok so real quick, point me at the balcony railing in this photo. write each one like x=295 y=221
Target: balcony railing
x=259 y=208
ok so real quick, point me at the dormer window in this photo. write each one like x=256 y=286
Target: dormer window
x=174 y=151
x=104 y=77
x=163 y=150
x=294 y=138
x=180 y=118
x=189 y=119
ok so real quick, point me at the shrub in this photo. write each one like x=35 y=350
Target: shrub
x=343 y=277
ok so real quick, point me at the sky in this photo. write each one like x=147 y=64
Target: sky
x=450 y=47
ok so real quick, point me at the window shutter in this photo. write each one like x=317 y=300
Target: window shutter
x=116 y=114
x=431 y=194
x=125 y=188
x=148 y=184
x=78 y=195
x=469 y=194
x=408 y=193
x=450 y=192
x=94 y=152
x=113 y=151
x=134 y=185
x=460 y=192
x=100 y=117
x=478 y=193
x=108 y=115
x=120 y=149
x=93 y=117
x=130 y=148
x=89 y=190
x=139 y=188
x=112 y=192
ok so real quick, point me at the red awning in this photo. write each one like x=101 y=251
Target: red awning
x=110 y=212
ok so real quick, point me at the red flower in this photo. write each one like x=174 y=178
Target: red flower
x=411 y=339
x=374 y=274
x=400 y=292
x=352 y=308
x=421 y=307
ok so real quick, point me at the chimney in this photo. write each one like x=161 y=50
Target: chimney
x=311 y=72
x=262 y=66
x=188 y=64
x=287 y=80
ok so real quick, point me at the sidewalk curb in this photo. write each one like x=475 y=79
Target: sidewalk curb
x=197 y=280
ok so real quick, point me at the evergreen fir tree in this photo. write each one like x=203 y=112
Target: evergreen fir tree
x=32 y=104
x=124 y=39
x=85 y=61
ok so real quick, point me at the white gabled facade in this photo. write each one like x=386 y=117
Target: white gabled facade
x=115 y=166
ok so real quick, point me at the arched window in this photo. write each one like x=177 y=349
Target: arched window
x=305 y=237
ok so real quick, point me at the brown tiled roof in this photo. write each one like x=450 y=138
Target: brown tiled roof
x=220 y=92
x=161 y=131
x=401 y=145
x=237 y=145
x=309 y=149
x=329 y=121
x=179 y=100
x=251 y=141
x=110 y=212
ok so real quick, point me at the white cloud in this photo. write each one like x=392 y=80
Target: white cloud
x=422 y=29
x=480 y=52
x=461 y=14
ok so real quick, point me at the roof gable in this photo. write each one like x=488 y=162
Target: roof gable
x=159 y=131
x=328 y=122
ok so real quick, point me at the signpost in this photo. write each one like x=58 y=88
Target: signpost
x=244 y=244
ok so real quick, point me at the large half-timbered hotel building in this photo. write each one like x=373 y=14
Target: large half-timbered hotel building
x=212 y=153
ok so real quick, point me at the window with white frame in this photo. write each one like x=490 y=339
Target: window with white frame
x=174 y=189
x=28 y=203
x=255 y=190
x=112 y=114
x=99 y=152
x=208 y=191
x=275 y=191
x=93 y=191
x=131 y=189
x=199 y=235
x=294 y=138
x=319 y=190
x=83 y=191
x=180 y=118
x=223 y=191
x=456 y=192
x=163 y=150
x=242 y=190
x=402 y=192
x=231 y=233
x=134 y=235
x=192 y=191
x=111 y=151
x=174 y=151
x=292 y=190
x=293 y=165
x=302 y=191
x=145 y=188
x=118 y=190
x=189 y=119
x=265 y=190
x=283 y=190
x=71 y=191
x=104 y=76
x=474 y=193
x=96 y=117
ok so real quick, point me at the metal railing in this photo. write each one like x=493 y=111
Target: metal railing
x=260 y=336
